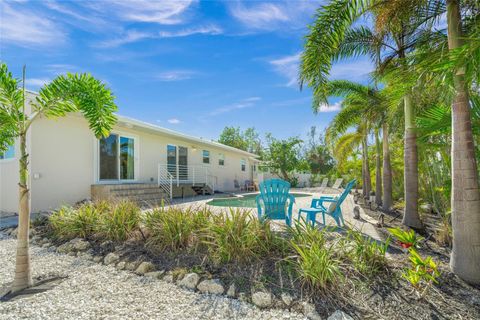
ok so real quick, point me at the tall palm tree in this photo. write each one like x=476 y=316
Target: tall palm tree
x=332 y=37
x=71 y=93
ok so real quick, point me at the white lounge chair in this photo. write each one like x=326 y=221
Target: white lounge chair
x=337 y=183
x=324 y=183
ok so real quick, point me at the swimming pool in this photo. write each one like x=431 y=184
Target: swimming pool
x=245 y=201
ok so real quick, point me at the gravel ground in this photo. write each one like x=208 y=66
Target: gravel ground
x=94 y=291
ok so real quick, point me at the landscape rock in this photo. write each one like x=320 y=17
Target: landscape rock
x=231 y=291
x=213 y=286
x=107 y=246
x=310 y=312
x=262 y=299
x=155 y=274
x=145 y=267
x=189 y=281
x=120 y=265
x=111 y=258
x=80 y=244
x=339 y=315
x=65 y=248
x=97 y=259
x=168 y=278
x=130 y=266
x=242 y=296
x=46 y=245
x=72 y=253
x=287 y=299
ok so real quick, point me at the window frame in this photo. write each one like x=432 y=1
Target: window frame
x=207 y=157
x=136 y=159
x=221 y=157
x=243 y=165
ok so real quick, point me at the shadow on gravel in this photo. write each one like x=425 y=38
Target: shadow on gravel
x=39 y=286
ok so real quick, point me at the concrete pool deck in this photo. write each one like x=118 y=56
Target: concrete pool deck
x=365 y=224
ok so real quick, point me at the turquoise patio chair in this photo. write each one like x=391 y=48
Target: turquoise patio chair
x=334 y=209
x=274 y=202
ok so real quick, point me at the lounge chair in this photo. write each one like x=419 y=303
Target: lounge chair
x=334 y=209
x=274 y=202
x=324 y=183
x=337 y=183
x=249 y=185
x=237 y=185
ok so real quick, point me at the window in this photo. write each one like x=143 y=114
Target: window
x=8 y=154
x=206 y=156
x=117 y=158
x=221 y=159
x=243 y=164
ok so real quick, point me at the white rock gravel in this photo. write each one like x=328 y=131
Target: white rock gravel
x=95 y=291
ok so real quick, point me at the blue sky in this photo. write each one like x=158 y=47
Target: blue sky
x=192 y=66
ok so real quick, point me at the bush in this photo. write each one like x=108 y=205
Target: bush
x=68 y=223
x=119 y=220
x=174 y=228
x=367 y=255
x=238 y=236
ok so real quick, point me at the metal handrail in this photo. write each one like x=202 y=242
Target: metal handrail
x=178 y=174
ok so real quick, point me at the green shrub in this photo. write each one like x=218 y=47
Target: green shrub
x=238 y=236
x=422 y=274
x=367 y=255
x=68 y=223
x=317 y=265
x=174 y=228
x=118 y=221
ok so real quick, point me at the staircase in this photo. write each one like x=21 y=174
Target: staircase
x=202 y=190
x=146 y=195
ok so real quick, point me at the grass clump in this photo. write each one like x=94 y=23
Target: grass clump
x=175 y=229
x=120 y=221
x=238 y=236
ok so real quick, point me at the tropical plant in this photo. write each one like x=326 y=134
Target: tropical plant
x=422 y=274
x=407 y=238
x=120 y=221
x=282 y=157
x=66 y=93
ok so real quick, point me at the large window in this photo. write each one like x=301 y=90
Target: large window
x=117 y=158
x=8 y=154
x=243 y=164
x=221 y=159
x=206 y=156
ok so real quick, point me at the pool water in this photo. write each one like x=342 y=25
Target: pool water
x=246 y=201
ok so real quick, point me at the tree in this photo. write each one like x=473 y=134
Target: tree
x=252 y=139
x=71 y=93
x=282 y=156
x=465 y=259
x=317 y=155
x=232 y=136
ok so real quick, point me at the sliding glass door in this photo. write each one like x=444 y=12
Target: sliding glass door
x=117 y=158
x=177 y=161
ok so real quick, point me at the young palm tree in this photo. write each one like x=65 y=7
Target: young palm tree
x=71 y=93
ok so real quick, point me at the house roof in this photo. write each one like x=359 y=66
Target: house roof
x=145 y=126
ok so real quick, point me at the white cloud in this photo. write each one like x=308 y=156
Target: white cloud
x=244 y=103
x=28 y=29
x=288 y=14
x=356 y=70
x=174 y=121
x=288 y=67
x=166 y=12
x=58 y=68
x=131 y=36
x=175 y=75
x=323 y=108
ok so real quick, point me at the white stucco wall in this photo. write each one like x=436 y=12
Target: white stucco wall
x=64 y=162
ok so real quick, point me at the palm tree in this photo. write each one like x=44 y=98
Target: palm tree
x=372 y=108
x=71 y=93
x=332 y=37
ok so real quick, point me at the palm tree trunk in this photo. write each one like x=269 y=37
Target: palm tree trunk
x=378 y=170
x=465 y=259
x=411 y=217
x=23 y=277
x=367 y=184
x=387 y=171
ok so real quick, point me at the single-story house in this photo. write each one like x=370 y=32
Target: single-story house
x=139 y=161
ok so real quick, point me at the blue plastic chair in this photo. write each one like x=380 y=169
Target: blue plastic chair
x=318 y=206
x=272 y=201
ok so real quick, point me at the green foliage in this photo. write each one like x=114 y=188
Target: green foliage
x=408 y=237
x=175 y=228
x=282 y=156
x=247 y=140
x=367 y=255
x=68 y=223
x=238 y=236
x=422 y=274
x=119 y=221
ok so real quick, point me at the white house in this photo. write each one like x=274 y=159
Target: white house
x=138 y=160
